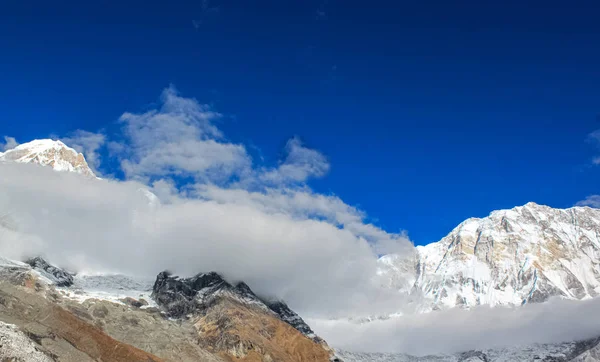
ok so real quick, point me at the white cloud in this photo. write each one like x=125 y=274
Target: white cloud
x=99 y=225
x=89 y=144
x=305 y=204
x=179 y=139
x=300 y=164
x=9 y=143
x=594 y=137
x=591 y=201
x=460 y=330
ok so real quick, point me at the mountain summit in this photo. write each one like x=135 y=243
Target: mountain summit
x=51 y=153
x=526 y=254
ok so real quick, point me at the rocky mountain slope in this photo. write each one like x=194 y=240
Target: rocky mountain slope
x=50 y=153
x=512 y=257
x=231 y=319
x=214 y=321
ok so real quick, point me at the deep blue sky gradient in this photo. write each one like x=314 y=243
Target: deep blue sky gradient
x=430 y=112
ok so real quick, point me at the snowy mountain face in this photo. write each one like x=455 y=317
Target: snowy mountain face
x=59 y=277
x=512 y=257
x=49 y=153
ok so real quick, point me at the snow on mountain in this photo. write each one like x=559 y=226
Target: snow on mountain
x=60 y=157
x=58 y=276
x=512 y=257
x=116 y=288
x=51 y=153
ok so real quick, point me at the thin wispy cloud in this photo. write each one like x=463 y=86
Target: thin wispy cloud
x=594 y=138
x=207 y=10
x=300 y=164
x=9 y=143
x=320 y=13
x=591 y=201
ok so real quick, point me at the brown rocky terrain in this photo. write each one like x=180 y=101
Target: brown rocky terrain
x=62 y=329
x=59 y=333
x=240 y=332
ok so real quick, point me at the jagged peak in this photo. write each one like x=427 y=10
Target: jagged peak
x=528 y=207
x=48 y=152
x=42 y=144
x=530 y=213
x=180 y=297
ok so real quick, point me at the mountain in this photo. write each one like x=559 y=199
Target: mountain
x=203 y=318
x=231 y=319
x=51 y=153
x=56 y=275
x=512 y=257
x=180 y=297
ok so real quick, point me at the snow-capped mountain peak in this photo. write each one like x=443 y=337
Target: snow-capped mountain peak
x=511 y=257
x=47 y=152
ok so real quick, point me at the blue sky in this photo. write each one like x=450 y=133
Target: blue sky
x=428 y=113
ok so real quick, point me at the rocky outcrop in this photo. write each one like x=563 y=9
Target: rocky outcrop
x=233 y=321
x=16 y=346
x=244 y=332
x=57 y=332
x=290 y=317
x=180 y=297
x=58 y=276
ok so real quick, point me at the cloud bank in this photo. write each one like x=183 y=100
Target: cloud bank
x=99 y=225
x=457 y=330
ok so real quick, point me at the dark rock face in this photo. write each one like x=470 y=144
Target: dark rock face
x=59 y=276
x=180 y=297
x=136 y=303
x=290 y=317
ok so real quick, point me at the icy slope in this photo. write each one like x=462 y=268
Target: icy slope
x=525 y=254
x=49 y=153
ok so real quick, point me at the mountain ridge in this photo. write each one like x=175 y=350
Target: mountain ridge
x=52 y=153
x=513 y=256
